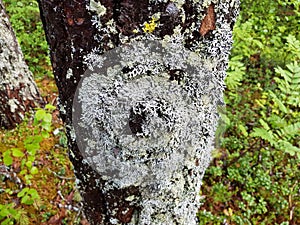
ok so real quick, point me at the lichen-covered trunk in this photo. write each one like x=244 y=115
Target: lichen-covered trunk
x=18 y=91
x=142 y=81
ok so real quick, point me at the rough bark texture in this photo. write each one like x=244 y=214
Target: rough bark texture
x=78 y=32
x=18 y=91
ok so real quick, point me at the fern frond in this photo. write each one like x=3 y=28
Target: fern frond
x=292 y=130
x=289 y=83
x=288 y=147
x=235 y=72
x=277 y=122
x=266 y=135
x=293 y=46
x=278 y=102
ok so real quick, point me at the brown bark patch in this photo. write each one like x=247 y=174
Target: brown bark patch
x=209 y=21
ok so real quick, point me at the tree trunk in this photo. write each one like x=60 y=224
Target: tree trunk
x=142 y=81
x=18 y=91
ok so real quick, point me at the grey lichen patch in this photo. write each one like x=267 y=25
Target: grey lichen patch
x=69 y=73
x=179 y=3
x=144 y=119
x=111 y=27
x=207 y=3
x=13 y=103
x=93 y=60
x=97 y=7
x=145 y=114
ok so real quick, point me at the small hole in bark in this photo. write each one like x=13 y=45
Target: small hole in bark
x=136 y=121
x=177 y=75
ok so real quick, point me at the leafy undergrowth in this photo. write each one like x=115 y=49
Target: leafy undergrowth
x=254 y=177
x=36 y=178
x=37 y=183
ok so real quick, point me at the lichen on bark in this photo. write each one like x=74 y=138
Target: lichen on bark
x=145 y=116
x=166 y=198
x=18 y=91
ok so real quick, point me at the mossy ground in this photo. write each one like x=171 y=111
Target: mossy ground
x=55 y=179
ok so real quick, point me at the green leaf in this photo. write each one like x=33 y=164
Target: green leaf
x=264 y=134
x=40 y=114
x=243 y=129
x=278 y=102
x=4 y=212
x=28 y=164
x=37 y=139
x=23 y=192
x=20 y=4
x=7 y=159
x=49 y=106
x=24 y=171
x=17 y=152
x=34 y=194
x=32 y=148
x=45 y=134
x=46 y=126
x=27 y=200
x=34 y=170
x=32 y=144
x=28 y=178
x=288 y=147
x=8 y=221
x=264 y=124
x=292 y=129
x=235 y=72
x=48 y=118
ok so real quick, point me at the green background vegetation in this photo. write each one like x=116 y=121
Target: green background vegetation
x=254 y=176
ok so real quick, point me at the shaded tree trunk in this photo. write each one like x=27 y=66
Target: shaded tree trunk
x=18 y=91
x=78 y=33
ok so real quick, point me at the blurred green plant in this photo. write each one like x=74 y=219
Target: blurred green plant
x=280 y=126
x=254 y=178
x=25 y=19
x=9 y=215
x=27 y=154
x=235 y=72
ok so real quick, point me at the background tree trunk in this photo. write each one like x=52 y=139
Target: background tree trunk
x=18 y=91
x=79 y=30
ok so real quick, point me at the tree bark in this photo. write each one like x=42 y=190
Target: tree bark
x=18 y=91
x=78 y=33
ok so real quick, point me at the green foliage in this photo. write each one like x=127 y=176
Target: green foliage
x=289 y=84
x=25 y=20
x=26 y=154
x=281 y=126
x=254 y=178
x=7 y=155
x=28 y=195
x=42 y=128
x=266 y=36
x=8 y=214
x=235 y=73
x=268 y=41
